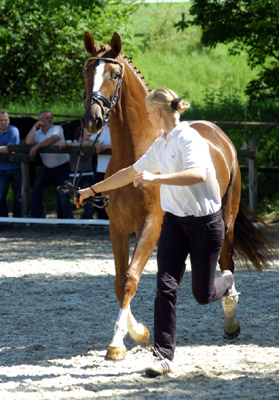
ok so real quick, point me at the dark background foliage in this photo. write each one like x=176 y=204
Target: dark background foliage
x=41 y=43
x=42 y=55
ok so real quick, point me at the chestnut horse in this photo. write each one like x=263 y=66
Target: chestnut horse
x=115 y=92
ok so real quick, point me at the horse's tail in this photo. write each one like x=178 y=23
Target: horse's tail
x=250 y=242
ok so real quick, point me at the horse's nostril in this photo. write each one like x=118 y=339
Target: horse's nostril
x=99 y=124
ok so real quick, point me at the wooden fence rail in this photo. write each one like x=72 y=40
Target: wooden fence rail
x=78 y=116
x=20 y=153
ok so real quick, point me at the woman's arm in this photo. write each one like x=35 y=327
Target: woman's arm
x=117 y=180
x=188 y=177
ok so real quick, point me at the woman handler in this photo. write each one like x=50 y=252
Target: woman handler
x=192 y=224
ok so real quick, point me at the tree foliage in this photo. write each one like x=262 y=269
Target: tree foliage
x=41 y=42
x=249 y=25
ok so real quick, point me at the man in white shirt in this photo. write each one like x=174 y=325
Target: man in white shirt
x=56 y=167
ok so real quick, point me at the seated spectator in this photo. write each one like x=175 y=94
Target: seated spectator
x=56 y=167
x=87 y=177
x=10 y=172
x=103 y=144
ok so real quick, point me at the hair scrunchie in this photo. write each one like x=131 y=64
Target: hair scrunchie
x=174 y=103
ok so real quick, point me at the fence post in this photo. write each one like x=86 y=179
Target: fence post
x=252 y=170
x=25 y=188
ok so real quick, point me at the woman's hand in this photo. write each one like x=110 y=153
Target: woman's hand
x=144 y=177
x=83 y=194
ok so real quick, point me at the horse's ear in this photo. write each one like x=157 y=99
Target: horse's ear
x=89 y=43
x=116 y=44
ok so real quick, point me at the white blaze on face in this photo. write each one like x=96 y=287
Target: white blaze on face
x=99 y=76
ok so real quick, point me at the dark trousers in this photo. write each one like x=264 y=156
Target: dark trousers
x=202 y=238
x=13 y=177
x=46 y=176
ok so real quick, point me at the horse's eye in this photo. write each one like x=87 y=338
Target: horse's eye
x=115 y=75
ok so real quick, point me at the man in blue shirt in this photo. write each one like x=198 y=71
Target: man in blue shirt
x=10 y=172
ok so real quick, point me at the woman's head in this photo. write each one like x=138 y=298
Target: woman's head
x=166 y=99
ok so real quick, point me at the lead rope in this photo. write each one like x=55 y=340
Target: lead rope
x=78 y=160
x=87 y=158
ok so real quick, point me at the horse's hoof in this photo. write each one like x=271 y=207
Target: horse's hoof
x=116 y=353
x=233 y=333
x=141 y=338
x=145 y=336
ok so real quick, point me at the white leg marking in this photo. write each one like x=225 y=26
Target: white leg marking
x=229 y=304
x=138 y=332
x=120 y=328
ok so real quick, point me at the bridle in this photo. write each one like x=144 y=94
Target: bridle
x=99 y=98
x=68 y=187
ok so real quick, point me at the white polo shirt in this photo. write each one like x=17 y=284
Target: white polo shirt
x=52 y=160
x=181 y=149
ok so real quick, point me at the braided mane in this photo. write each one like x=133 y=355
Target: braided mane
x=135 y=71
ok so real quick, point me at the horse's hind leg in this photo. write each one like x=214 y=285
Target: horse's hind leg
x=231 y=324
x=230 y=210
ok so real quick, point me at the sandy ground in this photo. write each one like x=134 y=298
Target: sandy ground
x=58 y=310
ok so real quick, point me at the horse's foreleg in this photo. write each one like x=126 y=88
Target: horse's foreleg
x=146 y=240
x=117 y=350
x=120 y=246
x=138 y=332
x=127 y=287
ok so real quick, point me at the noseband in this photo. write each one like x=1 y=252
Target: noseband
x=99 y=98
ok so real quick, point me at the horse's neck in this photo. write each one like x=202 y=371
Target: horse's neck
x=131 y=132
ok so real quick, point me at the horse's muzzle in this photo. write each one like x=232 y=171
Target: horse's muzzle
x=93 y=120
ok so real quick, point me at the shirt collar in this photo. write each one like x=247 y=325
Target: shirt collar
x=182 y=125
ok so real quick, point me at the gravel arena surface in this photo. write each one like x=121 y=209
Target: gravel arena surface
x=58 y=309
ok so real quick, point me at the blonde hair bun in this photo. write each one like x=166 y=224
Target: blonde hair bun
x=167 y=99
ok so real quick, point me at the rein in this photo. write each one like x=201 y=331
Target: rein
x=94 y=97
x=72 y=189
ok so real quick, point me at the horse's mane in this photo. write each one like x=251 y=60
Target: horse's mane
x=135 y=71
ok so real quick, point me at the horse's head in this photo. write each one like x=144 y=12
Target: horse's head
x=103 y=77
